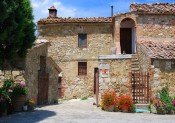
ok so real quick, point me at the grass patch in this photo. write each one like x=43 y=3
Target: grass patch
x=84 y=98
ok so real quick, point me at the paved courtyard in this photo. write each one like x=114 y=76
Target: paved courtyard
x=83 y=111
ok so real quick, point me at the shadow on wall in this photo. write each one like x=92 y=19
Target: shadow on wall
x=28 y=117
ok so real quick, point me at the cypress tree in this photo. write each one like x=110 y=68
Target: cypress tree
x=17 y=30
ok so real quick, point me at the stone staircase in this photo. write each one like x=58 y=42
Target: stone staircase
x=135 y=67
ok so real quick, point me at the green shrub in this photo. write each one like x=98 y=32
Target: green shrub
x=133 y=108
x=8 y=83
x=84 y=98
x=167 y=99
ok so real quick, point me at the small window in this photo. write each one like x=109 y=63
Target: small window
x=156 y=63
x=82 y=40
x=173 y=64
x=82 y=68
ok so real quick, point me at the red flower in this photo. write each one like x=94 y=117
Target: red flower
x=109 y=98
x=125 y=103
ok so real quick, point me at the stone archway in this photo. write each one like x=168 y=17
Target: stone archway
x=127 y=36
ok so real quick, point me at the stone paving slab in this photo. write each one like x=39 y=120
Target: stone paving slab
x=83 y=111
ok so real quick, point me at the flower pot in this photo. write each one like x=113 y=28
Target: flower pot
x=18 y=102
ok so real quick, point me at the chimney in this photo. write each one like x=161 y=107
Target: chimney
x=112 y=11
x=52 y=12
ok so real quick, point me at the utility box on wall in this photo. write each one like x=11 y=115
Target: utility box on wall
x=104 y=70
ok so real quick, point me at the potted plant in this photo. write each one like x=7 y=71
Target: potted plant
x=4 y=97
x=19 y=95
x=31 y=104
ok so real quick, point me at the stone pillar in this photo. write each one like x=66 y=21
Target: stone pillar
x=117 y=37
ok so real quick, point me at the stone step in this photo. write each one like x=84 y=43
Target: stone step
x=135 y=66
x=135 y=69
x=142 y=106
x=136 y=62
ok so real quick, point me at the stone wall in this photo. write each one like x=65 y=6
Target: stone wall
x=16 y=74
x=144 y=59
x=163 y=75
x=157 y=26
x=74 y=85
x=53 y=80
x=65 y=52
x=32 y=67
x=119 y=77
x=31 y=73
x=64 y=40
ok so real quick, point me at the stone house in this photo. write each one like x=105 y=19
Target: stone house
x=76 y=44
x=118 y=48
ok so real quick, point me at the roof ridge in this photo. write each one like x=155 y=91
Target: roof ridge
x=50 y=20
x=153 y=8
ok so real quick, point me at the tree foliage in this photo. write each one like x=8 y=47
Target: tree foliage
x=17 y=29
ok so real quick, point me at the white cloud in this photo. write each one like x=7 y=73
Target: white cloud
x=40 y=9
x=64 y=11
x=35 y=5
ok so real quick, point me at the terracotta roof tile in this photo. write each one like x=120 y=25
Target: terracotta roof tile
x=157 y=8
x=75 y=20
x=157 y=50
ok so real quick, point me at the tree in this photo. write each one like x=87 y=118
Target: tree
x=17 y=30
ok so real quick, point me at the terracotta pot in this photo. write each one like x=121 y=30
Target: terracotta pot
x=18 y=102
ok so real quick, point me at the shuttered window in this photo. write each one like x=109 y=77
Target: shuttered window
x=82 y=68
x=82 y=40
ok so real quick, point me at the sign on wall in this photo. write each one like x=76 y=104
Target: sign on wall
x=104 y=70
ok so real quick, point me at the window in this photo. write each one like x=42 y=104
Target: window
x=82 y=68
x=82 y=40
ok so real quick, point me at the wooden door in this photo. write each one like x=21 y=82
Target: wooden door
x=95 y=79
x=43 y=86
x=140 y=87
x=59 y=87
x=43 y=82
x=96 y=85
x=126 y=40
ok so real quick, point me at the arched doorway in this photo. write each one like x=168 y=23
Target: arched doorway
x=127 y=36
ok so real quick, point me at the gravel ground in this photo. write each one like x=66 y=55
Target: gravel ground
x=83 y=111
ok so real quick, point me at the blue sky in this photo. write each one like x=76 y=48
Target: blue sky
x=85 y=8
